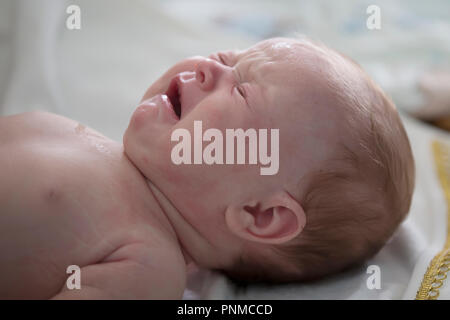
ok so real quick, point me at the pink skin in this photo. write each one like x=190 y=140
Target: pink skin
x=220 y=211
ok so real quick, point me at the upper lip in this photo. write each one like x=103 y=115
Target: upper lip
x=174 y=94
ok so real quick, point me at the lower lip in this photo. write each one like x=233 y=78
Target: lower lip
x=157 y=106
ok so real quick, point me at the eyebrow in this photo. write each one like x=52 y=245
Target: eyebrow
x=228 y=55
x=233 y=57
x=247 y=66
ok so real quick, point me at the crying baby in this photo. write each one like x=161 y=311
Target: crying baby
x=132 y=218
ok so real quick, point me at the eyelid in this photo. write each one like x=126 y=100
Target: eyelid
x=240 y=87
x=241 y=90
x=221 y=58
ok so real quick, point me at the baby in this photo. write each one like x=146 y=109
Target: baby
x=132 y=219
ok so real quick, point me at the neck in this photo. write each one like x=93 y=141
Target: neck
x=195 y=248
x=157 y=204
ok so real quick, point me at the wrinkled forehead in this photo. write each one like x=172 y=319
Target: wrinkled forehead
x=296 y=93
x=281 y=59
x=270 y=50
x=299 y=79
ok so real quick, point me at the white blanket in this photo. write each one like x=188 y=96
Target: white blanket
x=97 y=75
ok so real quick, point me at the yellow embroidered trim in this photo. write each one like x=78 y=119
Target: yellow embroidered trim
x=437 y=270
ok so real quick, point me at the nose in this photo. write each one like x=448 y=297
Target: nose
x=207 y=73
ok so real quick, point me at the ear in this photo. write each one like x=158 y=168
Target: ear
x=277 y=219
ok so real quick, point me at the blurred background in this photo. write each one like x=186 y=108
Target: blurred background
x=98 y=73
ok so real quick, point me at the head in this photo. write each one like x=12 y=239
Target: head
x=345 y=174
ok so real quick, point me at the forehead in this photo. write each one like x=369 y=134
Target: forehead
x=294 y=96
x=270 y=50
x=280 y=57
x=285 y=68
x=295 y=77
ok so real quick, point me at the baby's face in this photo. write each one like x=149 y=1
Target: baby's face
x=272 y=85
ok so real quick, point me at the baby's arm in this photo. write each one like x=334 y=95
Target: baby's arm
x=134 y=271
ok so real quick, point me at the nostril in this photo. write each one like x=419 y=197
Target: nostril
x=200 y=75
x=205 y=74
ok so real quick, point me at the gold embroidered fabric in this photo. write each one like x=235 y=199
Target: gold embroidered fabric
x=440 y=265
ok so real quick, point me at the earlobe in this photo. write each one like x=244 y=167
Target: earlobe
x=276 y=220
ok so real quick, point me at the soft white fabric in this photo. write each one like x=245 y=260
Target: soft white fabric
x=97 y=75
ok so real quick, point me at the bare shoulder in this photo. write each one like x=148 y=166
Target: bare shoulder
x=36 y=123
x=31 y=116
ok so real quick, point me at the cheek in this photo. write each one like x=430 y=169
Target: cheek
x=197 y=194
x=211 y=113
x=219 y=110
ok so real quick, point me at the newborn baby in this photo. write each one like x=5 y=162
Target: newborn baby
x=132 y=220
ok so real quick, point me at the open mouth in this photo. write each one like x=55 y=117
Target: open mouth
x=173 y=93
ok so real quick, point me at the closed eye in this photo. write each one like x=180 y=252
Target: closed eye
x=222 y=59
x=241 y=91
